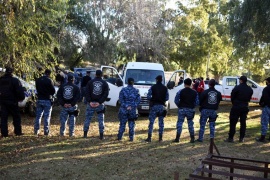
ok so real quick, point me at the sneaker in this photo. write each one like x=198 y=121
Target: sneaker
x=229 y=140
x=148 y=140
x=21 y=134
x=241 y=140
x=176 y=141
x=198 y=140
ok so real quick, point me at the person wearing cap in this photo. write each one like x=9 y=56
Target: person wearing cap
x=97 y=91
x=209 y=102
x=129 y=98
x=265 y=117
x=85 y=80
x=11 y=92
x=68 y=95
x=157 y=95
x=240 y=97
x=186 y=99
x=45 y=91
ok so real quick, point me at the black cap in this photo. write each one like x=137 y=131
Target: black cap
x=98 y=72
x=159 y=78
x=212 y=82
x=130 y=81
x=243 y=78
x=48 y=72
x=268 y=79
x=9 y=70
x=88 y=72
x=70 y=78
x=187 y=81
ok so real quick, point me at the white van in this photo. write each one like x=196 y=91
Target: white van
x=144 y=74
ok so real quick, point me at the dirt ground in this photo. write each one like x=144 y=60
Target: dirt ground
x=55 y=157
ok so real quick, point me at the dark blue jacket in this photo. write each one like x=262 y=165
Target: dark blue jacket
x=97 y=90
x=45 y=88
x=68 y=93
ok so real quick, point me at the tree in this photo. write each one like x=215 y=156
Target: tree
x=28 y=37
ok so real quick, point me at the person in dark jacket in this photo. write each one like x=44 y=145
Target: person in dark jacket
x=129 y=98
x=96 y=93
x=11 y=92
x=186 y=100
x=265 y=117
x=85 y=80
x=68 y=96
x=209 y=102
x=45 y=91
x=157 y=95
x=240 y=97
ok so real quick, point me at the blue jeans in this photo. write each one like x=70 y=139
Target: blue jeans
x=154 y=111
x=265 y=120
x=89 y=114
x=205 y=114
x=64 y=115
x=44 y=108
x=189 y=114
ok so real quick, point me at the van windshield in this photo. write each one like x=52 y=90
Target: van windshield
x=143 y=76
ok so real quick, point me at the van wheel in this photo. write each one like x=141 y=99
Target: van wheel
x=32 y=109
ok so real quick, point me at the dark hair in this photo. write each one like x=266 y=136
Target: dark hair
x=48 y=72
x=187 y=81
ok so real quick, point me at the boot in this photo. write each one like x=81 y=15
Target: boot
x=85 y=134
x=101 y=136
x=177 y=139
x=160 y=138
x=192 y=139
x=149 y=138
x=261 y=139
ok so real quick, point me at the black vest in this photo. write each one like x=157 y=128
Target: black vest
x=187 y=98
x=158 y=94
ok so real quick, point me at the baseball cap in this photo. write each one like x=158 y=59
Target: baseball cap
x=243 y=78
x=130 y=81
x=212 y=82
x=98 y=72
x=159 y=78
x=70 y=78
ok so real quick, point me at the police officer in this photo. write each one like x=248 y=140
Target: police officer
x=186 y=100
x=265 y=117
x=85 y=80
x=157 y=95
x=129 y=98
x=11 y=92
x=209 y=102
x=68 y=96
x=45 y=91
x=240 y=96
x=96 y=93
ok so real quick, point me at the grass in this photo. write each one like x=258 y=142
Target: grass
x=55 y=157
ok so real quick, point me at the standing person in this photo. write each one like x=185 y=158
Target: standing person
x=240 y=96
x=96 y=93
x=265 y=117
x=200 y=88
x=181 y=80
x=129 y=98
x=45 y=91
x=157 y=95
x=11 y=92
x=68 y=96
x=209 y=102
x=85 y=80
x=186 y=100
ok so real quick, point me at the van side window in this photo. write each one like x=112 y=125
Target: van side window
x=252 y=85
x=231 y=81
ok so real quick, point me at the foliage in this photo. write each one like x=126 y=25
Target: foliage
x=28 y=38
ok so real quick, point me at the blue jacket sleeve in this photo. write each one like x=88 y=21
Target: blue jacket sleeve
x=177 y=98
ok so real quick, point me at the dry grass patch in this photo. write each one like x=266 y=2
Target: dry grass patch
x=30 y=157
